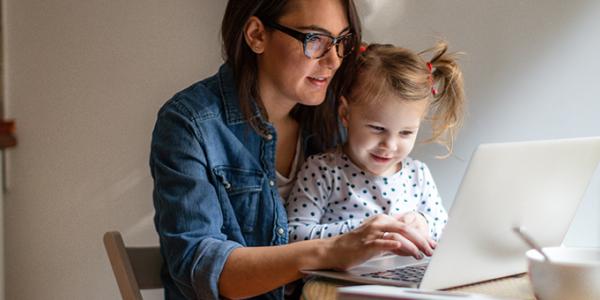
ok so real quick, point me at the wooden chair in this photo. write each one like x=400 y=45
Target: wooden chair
x=135 y=268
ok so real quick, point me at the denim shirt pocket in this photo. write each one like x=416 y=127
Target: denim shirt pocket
x=243 y=188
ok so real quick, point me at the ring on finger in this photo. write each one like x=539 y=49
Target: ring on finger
x=385 y=234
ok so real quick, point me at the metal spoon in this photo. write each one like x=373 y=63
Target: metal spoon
x=522 y=233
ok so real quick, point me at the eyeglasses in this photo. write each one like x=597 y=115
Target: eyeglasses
x=316 y=45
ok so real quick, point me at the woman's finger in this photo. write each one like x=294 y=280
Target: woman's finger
x=411 y=234
x=385 y=244
x=406 y=246
x=420 y=240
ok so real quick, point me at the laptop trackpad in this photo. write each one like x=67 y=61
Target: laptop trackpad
x=385 y=262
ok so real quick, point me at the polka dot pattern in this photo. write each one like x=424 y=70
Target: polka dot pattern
x=333 y=196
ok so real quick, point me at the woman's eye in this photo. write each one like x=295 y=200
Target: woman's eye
x=314 y=38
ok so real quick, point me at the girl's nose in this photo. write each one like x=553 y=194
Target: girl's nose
x=389 y=143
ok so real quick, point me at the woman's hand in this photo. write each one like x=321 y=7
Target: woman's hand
x=379 y=234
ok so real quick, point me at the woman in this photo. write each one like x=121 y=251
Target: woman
x=225 y=150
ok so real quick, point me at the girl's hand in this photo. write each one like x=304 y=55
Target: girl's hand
x=378 y=234
x=419 y=223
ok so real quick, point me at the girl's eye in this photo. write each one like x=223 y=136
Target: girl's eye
x=406 y=132
x=376 y=128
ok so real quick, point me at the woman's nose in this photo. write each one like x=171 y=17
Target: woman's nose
x=331 y=60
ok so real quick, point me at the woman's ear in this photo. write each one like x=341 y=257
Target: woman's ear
x=343 y=111
x=255 y=35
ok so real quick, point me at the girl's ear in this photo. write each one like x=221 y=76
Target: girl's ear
x=255 y=35
x=343 y=111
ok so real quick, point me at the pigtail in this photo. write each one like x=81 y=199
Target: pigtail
x=447 y=107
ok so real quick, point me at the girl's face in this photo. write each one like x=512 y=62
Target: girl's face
x=286 y=75
x=380 y=136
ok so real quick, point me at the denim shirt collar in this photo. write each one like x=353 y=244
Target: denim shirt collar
x=229 y=96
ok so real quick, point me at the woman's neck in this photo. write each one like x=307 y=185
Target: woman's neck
x=277 y=110
x=276 y=104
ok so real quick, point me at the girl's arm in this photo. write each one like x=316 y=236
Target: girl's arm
x=431 y=207
x=310 y=199
x=304 y=229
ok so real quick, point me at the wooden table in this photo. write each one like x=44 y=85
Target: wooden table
x=515 y=287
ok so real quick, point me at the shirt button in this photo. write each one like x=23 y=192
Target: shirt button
x=269 y=137
x=280 y=231
x=271 y=183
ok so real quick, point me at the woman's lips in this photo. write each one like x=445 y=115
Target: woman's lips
x=318 y=81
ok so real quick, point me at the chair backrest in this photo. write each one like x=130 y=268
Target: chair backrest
x=135 y=268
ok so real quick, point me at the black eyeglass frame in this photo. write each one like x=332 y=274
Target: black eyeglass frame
x=305 y=38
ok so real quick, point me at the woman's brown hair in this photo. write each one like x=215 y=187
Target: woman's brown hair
x=319 y=121
x=385 y=70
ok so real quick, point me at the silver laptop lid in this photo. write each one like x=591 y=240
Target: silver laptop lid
x=538 y=185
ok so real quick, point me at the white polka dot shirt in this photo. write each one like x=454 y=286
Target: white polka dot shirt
x=332 y=196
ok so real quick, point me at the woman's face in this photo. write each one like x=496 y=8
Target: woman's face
x=286 y=75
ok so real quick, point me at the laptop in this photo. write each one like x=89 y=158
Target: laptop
x=537 y=185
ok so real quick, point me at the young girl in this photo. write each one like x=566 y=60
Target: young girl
x=393 y=90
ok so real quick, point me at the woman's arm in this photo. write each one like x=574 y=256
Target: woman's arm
x=253 y=271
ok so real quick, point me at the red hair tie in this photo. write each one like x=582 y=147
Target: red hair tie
x=362 y=48
x=430 y=67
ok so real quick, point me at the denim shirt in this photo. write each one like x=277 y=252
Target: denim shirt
x=214 y=186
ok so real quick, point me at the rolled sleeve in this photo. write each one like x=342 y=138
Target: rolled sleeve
x=209 y=263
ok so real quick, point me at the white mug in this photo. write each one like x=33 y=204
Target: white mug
x=571 y=273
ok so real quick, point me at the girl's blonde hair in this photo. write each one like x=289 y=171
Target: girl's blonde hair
x=386 y=70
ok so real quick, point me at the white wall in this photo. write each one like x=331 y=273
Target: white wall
x=86 y=78
x=85 y=81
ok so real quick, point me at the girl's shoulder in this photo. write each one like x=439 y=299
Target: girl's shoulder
x=326 y=162
x=331 y=159
x=415 y=165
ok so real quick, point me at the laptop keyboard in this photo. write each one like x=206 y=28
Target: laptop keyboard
x=408 y=274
